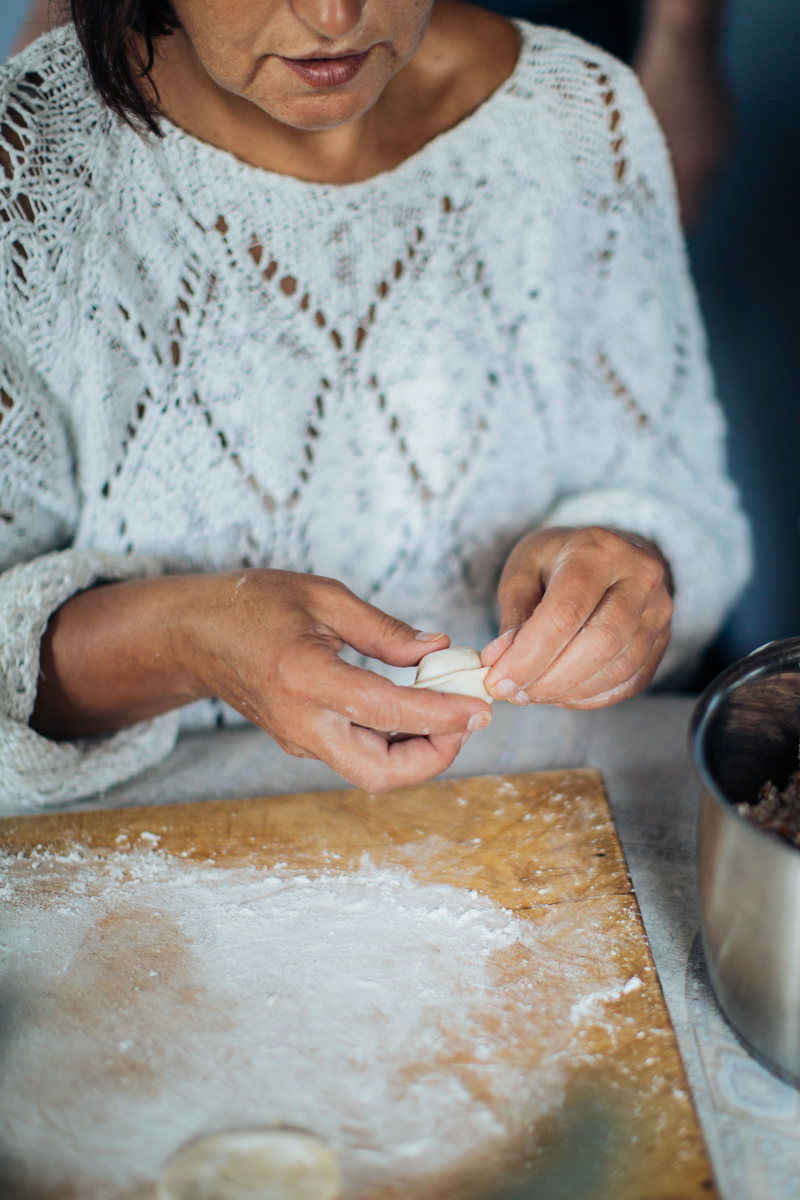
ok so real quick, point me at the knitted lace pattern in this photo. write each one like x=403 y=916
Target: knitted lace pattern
x=206 y=365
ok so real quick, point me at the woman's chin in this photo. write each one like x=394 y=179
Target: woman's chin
x=319 y=113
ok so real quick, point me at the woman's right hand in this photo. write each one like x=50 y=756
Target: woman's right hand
x=272 y=652
x=266 y=642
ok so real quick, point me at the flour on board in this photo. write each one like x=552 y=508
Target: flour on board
x=412 y=1026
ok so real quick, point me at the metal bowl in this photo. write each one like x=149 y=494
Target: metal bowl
x=745 y=729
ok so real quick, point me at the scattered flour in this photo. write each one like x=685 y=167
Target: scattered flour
x=147 y=1000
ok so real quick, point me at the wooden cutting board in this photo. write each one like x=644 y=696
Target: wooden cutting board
x=609 y=1110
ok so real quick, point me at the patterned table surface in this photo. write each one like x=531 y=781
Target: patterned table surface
x=749 y=1118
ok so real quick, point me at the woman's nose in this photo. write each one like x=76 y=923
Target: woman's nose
x=330 y=18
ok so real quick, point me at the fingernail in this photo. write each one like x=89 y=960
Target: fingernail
x=509 y=634
x=421 y=636
x=504 y=689
x=521 y=698
x=465 y=739
x=478 y=721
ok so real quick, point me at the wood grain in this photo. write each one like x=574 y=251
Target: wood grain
x=541 y=845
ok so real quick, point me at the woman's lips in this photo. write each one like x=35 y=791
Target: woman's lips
x=327 y=72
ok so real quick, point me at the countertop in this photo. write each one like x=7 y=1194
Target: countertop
x=749 y=1117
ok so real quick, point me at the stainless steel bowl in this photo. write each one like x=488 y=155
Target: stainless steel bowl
x=745 y=729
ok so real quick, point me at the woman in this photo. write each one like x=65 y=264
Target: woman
x=321 y=317
x=676 y=49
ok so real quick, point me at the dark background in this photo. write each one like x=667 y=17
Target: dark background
x=746 y=260
x=745 y=253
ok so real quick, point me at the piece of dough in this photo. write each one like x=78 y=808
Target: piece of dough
x=457 y=669
x=252 y=1164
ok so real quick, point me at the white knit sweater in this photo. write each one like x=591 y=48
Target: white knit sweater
x=204 y=365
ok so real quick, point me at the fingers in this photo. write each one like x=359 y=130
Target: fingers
x=565 y=578
x=343 y=715
x=363 y=755
x=314 y=672
x=310 y=675
x=369 y=761
x=495 y=649
x=606 y=650
x=523 y=581
x=593 y=695
x=270 y=647
x=599 y=630
x=571 y=681
x=370 y=700
x=371 y=631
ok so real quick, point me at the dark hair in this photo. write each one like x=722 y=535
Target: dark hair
x=117 y=67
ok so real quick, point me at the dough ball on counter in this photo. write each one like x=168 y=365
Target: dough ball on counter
x=457 y=669
x=252 y=1164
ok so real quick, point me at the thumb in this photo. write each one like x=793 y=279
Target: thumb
x=379 y=635
x=495 y=649
x=518 y=595
x=522 y=582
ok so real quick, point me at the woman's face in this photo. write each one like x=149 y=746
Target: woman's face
x=310 y=64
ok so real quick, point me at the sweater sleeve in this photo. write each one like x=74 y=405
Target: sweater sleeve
x=640 y=373
x=39 y=509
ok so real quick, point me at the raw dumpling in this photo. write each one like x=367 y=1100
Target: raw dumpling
x=457 y=669
x=252 y=1164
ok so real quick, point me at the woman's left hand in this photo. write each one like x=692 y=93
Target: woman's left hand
x=585 y=618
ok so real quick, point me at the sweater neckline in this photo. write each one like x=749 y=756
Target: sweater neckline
x=186 y=145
